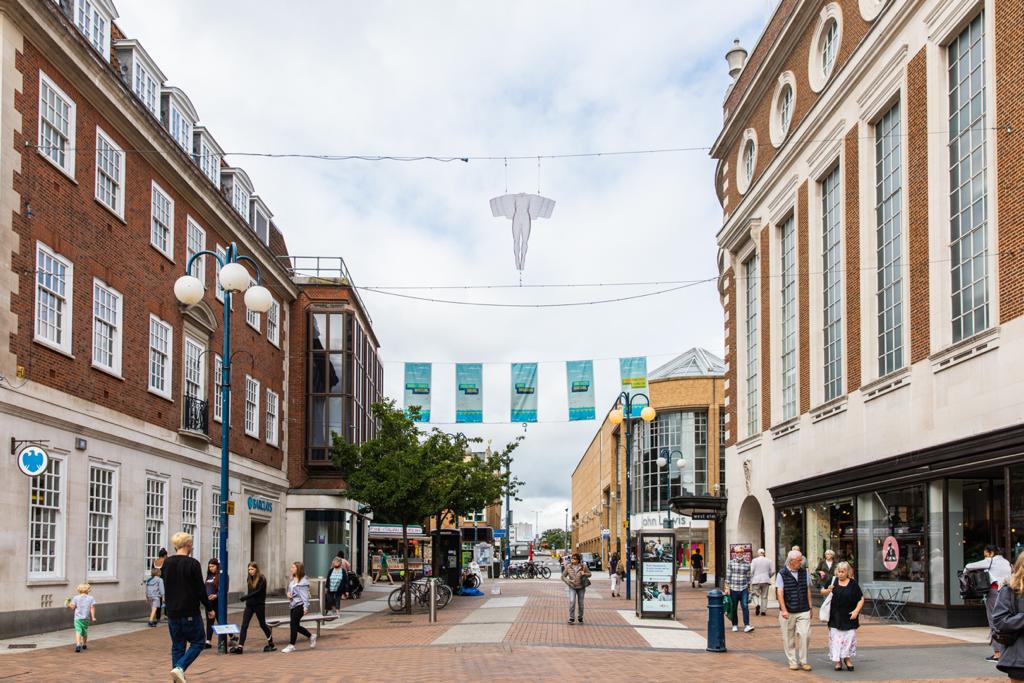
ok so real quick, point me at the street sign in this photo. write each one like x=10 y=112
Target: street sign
x=499 y=533
x=32 y=460
x=705 y=516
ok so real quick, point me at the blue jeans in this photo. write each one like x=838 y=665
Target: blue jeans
x=182 y=630
x=742 y=599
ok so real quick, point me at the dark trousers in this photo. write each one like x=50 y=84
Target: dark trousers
x=332 y=599
x=247 y=615
x=185 y=630
x=742 y=600
x=990 y=603
x=297 y=628
x=209 y=626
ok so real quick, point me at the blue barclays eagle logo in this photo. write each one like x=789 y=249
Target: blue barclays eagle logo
x=33 y=460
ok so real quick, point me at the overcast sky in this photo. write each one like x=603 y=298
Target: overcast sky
x=485 y=79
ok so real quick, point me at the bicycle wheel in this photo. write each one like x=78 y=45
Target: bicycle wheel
x=396 y=599
x=444 y=596
x=476 y=581
x=545 y=573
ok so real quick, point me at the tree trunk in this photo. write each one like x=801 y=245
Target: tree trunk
x=405 y=568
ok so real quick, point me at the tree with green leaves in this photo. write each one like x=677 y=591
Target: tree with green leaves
x=553 y=538
x=406 y=476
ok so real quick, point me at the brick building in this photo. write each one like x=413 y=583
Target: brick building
x=872 y=285
x=688 y=394
x=108 y=184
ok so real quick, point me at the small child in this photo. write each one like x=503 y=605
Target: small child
x=155 y=595
x=85 y=608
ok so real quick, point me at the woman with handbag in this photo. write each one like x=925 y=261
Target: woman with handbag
x=843 y=602
x=999 y=570
x=1008 y=622
x=576 y=576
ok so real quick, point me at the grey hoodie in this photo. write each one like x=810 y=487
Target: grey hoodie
x=299 y=590
x=154 y=588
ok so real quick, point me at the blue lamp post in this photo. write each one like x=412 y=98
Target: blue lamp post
x=189 y=290
x=626 y=403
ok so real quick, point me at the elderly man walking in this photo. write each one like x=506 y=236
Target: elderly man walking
x=793 y=589
x=760 y=582
x=737 y=583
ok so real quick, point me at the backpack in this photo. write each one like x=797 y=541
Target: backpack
x=974 y=583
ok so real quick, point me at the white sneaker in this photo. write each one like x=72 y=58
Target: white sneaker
x=177 y=675
x=289 y=648
x=735 y=628
x=748 y=628
x=312 y=642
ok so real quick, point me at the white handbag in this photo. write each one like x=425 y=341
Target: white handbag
x=825 y=611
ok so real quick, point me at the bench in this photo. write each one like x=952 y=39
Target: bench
x=314 y=617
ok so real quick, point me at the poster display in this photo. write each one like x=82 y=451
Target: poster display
x=633 y=376
x=469 y=392
x=417 y=390
x=579 y=375
x=524 y=392
x=657 y=574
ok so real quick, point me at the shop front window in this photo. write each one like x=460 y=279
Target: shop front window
x=830 y=526
x=790 y=533
x=976 y=518
x=672 y=436
x=1016 y=511
x=892 y=541
x=325 y=533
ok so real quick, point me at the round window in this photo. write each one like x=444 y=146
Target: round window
x=829 y=47
x=749 y=157
x=785 y=108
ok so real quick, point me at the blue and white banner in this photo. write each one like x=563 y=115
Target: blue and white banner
x=469 y=392
x=579 y=375
x=633 y=372
x=524 y=392
x=417 y=390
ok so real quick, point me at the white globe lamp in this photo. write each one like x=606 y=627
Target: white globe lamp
x=258 y=299
x=235 y=278
x=647 y=414
x=188 y=290
x=662 y=461
x=616 y=416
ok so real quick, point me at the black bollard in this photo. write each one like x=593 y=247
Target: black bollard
x=716 y=621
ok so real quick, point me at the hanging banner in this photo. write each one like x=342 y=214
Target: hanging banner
x=579 y=376
x=417 y=390
x=524 y=392
x=633 y=372
x=469 y=396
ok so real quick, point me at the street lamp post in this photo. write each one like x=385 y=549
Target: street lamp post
x=565 y=538
x=189 y=290
x=625 y=412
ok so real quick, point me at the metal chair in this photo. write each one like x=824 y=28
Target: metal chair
x=895 y=604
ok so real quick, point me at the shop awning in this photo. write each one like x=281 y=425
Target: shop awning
x=395 y=531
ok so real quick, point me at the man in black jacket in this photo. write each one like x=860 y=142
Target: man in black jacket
x=184 y=592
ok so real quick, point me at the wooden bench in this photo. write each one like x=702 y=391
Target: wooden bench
x=317 y=618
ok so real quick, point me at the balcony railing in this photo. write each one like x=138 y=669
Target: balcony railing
x=328 y=269
x=195 y=418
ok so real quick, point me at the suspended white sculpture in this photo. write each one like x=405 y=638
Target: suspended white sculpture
x=522 y=208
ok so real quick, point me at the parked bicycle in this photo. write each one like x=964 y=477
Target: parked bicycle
x=419 y=595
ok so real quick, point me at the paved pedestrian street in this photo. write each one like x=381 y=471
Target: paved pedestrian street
x=518 y=635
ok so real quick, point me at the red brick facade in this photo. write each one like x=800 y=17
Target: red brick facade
x=1009 y=83
x=851 y=237
x=67 y=218
x=917 y=196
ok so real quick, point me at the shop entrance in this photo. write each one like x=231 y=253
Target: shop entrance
x=258 y=535
x=977 y=517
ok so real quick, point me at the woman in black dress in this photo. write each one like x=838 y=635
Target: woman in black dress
x=844 y=616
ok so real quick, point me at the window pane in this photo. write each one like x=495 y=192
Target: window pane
x=337 y=335
x=336 y=373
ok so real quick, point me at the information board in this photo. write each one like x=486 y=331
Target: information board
x=656 y=594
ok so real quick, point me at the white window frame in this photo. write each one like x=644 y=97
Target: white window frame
x=161 y=540
x=789 y=343
x=196 y=514
x=168 y=369
x=85 y=14
x=222 y=254
x=274 y=324
x=179 y=126
x=218 y=371
x=65 y=328
x=200 y=361
x=168 y=249
x=111 y=542
x=215 y=523
x=273 y=417
x=195 y=242
x=240 y=199
x=257 y=212
x=68 y=167
x=117 y=154
x=752 y=342
x=145 y=86
x=117 y=324
x=59 y=525
x=209 y=161
x=832 y=284
x=252 y=407
x=252 y=318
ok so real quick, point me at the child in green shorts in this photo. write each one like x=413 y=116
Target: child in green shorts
x=85 y=609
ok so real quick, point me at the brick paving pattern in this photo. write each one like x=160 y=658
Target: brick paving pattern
x=539 y=646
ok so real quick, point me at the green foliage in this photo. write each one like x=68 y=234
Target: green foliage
x=553 y=538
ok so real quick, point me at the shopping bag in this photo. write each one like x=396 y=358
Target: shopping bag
x=825 y=611
x=729 y=605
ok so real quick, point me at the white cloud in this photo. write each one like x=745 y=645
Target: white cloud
x=472 y=78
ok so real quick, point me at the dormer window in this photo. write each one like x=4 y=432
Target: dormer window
x=93 y=18
x=240 y=199
x=260 y=220
x=207 y=154
x=179 y=116
x=238 y=190
x=141 y=73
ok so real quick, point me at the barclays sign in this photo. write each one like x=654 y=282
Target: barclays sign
x=259 y=504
